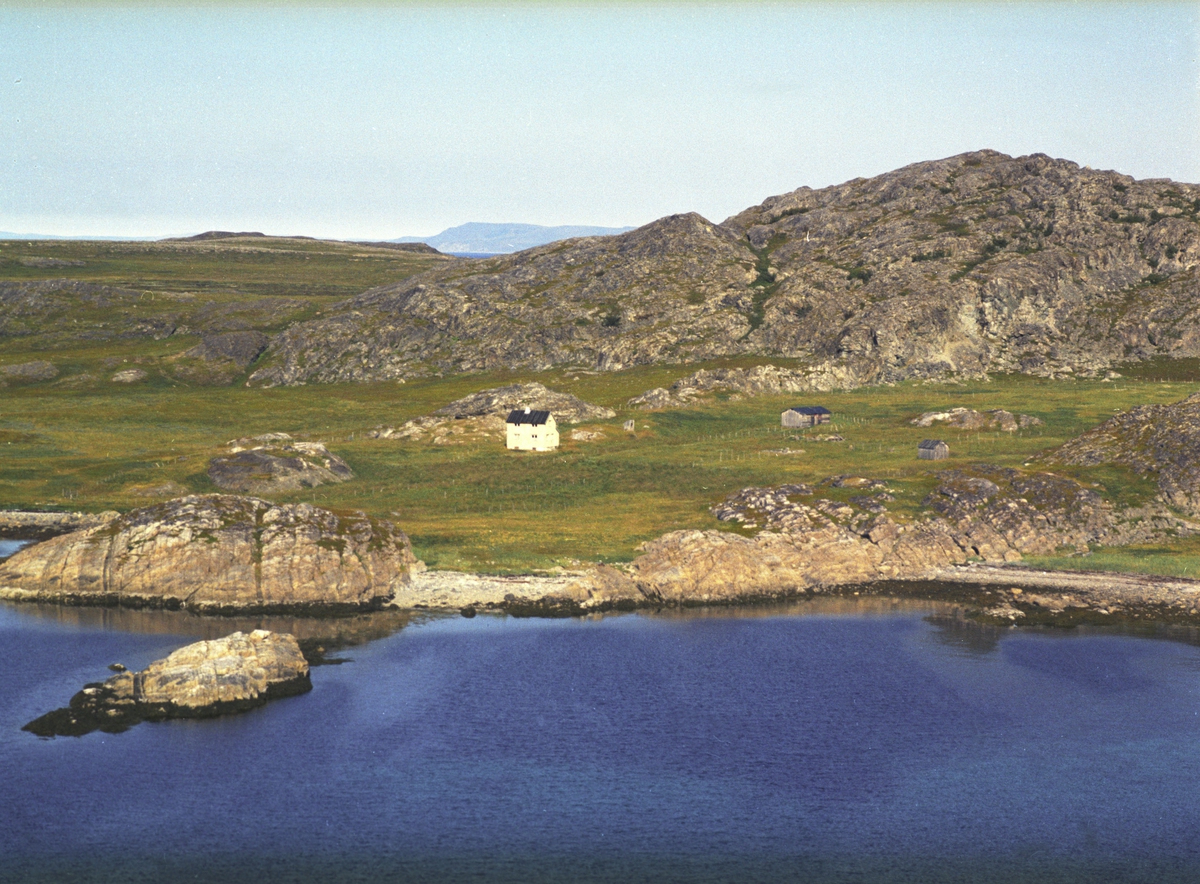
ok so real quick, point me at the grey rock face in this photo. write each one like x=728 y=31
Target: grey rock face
x=37 y=370
x=604 y=302
x=218 y=552
x=1161 y=441
x=975 y=263
x=761 y=380
x=502 y=400
x=219 y=358
x=970 y=419
x=275 y=465
x=204 y=679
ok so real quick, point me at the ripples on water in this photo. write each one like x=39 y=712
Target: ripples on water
x=862 y=742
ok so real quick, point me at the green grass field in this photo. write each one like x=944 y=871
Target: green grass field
x=478 y=506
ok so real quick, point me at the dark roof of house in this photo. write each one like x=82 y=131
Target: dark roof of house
x=932 y=443
x=526 y=416
x=809 y=409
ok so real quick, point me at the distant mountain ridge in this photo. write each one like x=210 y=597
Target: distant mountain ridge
x=957 y=267
x=482 y=238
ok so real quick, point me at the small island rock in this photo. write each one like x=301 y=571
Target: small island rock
x=201 y=680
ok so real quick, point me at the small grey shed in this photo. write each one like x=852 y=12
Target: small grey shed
x=804 y=416
x=933 y=449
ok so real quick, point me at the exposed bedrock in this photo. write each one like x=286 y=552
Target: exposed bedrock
x=979 y=513
x=201 y=680
x=218 y=552
x=24 y=525
x=274 y=463
x=1158 y=441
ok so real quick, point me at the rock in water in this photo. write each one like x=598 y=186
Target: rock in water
x=204 y=679
x=218 y=553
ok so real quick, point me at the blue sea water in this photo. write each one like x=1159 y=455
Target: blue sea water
x=739 y=746
x=8 y=547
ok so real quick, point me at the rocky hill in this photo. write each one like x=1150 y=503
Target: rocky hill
x=979 y=262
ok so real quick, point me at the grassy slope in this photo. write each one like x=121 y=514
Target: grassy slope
x=478 y=506
x=248 y=265
x=260 y=283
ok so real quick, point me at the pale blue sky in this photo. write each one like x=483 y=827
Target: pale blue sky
x=376 y=122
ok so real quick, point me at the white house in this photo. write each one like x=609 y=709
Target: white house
x=531 y=430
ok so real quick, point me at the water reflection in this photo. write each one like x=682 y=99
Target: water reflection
x=334 y=632
x=954 y=627
x=809 y=606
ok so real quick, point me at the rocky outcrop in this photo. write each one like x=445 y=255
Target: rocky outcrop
x=275 y=463
x=21 y=525
x=201 y=680
x=1002 y=514
x=976 y=263
x=760 y=380
x=218 y=553
x=1160 y=441
x=566 y=408
x=801 y=542
x=482 y=415
x=219 y=359
x=27 y=372
x=970 y=419
x=703 y=567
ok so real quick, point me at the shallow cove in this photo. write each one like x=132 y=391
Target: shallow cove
x=811 y=742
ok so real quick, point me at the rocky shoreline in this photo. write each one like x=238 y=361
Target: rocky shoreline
x=218 y=553
x=27 y=525
x=1005 y=594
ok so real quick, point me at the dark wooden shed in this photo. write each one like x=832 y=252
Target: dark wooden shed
x=933 y=449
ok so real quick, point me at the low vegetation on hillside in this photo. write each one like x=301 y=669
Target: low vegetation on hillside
x=193 y=312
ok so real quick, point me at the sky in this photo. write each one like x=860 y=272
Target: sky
x=373 y=122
